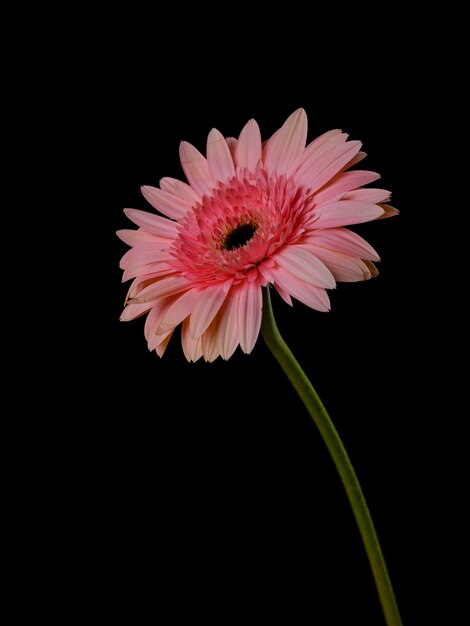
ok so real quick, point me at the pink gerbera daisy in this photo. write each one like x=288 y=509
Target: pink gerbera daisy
x=252 y=215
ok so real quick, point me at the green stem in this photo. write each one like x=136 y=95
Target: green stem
x=340 y=457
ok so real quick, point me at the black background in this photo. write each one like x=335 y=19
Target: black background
x=204 y=491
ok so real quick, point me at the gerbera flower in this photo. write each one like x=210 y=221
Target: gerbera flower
x=252 y=214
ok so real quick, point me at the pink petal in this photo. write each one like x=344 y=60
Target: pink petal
x=227 y=336
x=265 y=273
x=288 y=145
x=368 y=195
x=345 y=212
x=192 y=348
x=324 y=142
x=178 y=311
x=184 y=191
x=218 y=157
x=250 y=307
x=151 y=325
x=145 y=259
x=314 y=297
x=150 y=272
x=232 y=146
x=205 y=308
x=345 y=241
x=196 y=168
x=153 y=223
x=134 y=310
x=248 y=150
x=210 y=350
x=152 y=321
x=160 y=349
x=268 y=145
x=343 y=267
x=317 y=147
x=301 y=262
x=140 y=283
x=360 y=156
x=145 y=253
x=167 y=203
x=150 y=269
x=134 y=237
x=389 y=211
x=168 y=286
x=344 y=182
x=319 y=171
x=159 y=340
x=283 y=293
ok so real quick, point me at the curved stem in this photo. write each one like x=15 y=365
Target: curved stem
x=340 y=457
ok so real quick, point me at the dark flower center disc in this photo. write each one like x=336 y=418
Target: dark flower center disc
x=239 y=237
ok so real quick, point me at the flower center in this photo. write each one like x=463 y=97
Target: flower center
x=239 y=227
x=239 y=236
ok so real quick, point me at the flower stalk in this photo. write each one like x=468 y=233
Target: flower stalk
x=335 y=446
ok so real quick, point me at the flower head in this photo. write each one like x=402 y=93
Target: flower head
x=252 y=214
